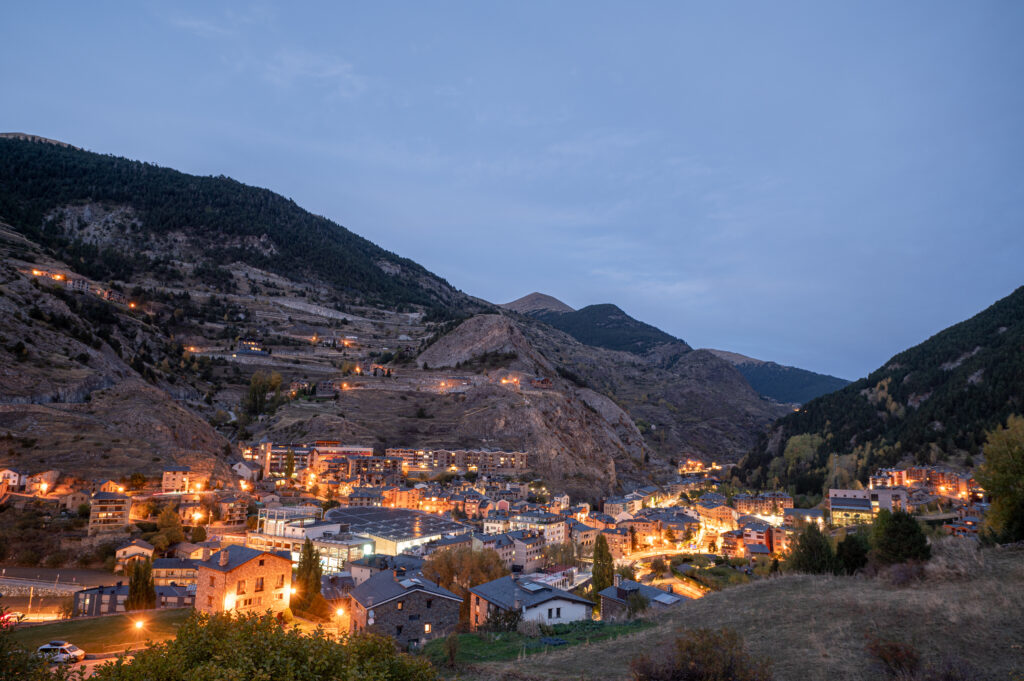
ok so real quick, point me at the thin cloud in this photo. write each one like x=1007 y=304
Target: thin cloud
x=288 y=68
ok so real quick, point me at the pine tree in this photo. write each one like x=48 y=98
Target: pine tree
x=604 y=569
x=897 y=537
x=812 y=552
x=289 y=465
x=141 y=591
x=307 y=574
x=851 y=554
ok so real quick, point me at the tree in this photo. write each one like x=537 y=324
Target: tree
x=289 y=464
x=168 y=524
x=1002 y=476
x=307 y=575
x=224 y=646
x=632 y=540
x=84 y=510
x=461 y=569
x=198 y=534
x=897 y=537
x=852 y=554
x=812 y=552
x=636 y=603
x=658 y=566
x=141 y=591
x=604 y=570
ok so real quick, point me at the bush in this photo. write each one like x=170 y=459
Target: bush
x=703 y=655
x=896 y=658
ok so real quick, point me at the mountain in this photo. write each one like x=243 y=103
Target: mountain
x=537 y=302
x=126 y=287
x=115 y=218
x=607 y=326
x=933 y=402
x=785 y=384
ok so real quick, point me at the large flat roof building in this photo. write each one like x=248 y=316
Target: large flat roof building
x=396 y=530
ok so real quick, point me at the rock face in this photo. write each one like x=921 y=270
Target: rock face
x=69 y=401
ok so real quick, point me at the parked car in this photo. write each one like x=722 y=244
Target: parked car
x=9 y=619
x=61 y=651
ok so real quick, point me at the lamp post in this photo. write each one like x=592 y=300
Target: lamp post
x=340 y=612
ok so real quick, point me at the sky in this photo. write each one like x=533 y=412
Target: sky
x=817 y=184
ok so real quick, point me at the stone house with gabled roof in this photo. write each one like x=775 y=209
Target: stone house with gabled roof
x=615 y=599
x=411 y=610
x=244 y=580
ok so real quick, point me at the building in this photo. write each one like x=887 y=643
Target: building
x=528 y=551
x=846 y=511
x=174 y=572
x=411 y=610
x=233 y=510
x=109 y=512
x=796 y=517
x=535 y=601
x=396 y=530
x=626 y=599
x=366 y=567
x=136 y=549
x=287 y=528
x=502 y=544
x=175 y=479
x=551 y=526
x=107 y=600
x=244 y=580
x=768 y=503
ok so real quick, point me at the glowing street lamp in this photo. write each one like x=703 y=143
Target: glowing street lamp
x=138 y=624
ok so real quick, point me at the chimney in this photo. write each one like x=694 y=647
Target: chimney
x=399 y=572
x=617 y=579
x=223 y=558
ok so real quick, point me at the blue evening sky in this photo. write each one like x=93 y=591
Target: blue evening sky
x=816 y=183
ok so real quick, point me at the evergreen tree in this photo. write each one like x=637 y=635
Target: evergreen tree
x=198 y=534
x=812 y=552
x=307 y=574
x=897 y=537
x=852 y=554
x=289 y=465
x=141 y=591
x=632 y=539
x=604 y=569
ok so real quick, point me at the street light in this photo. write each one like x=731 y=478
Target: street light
x=138 y=624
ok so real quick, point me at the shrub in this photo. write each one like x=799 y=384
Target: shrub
x=897 y=658
x=702 y=655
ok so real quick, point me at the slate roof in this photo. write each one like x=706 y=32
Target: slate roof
x=174 y=564
x=505 y=591
x=628 y=586
x=105 y=496
x=237 y=556
x=409 y=563
x=385 y=586
x=850 y=504
x=141 y=543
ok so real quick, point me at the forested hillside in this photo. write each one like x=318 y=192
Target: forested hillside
x=788 y=384
x=607 y=326
x=932 y=402
x=225 y=220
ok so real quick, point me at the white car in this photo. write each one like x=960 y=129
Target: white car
x=61 y=651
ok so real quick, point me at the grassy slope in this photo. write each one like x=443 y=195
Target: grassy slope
x=814 y=628
x=106 y=634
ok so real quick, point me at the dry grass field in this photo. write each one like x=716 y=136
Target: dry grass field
x=969 y=608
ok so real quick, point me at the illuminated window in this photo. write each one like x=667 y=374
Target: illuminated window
x=399 y=605
x=426 y=628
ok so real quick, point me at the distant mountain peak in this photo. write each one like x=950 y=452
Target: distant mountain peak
x=537 y=302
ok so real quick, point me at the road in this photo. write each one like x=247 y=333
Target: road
x=56 y=586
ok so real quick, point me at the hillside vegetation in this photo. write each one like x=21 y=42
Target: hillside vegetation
x=606 y=326
x=933 y=402
x=789 y=385
x=965 y=613
x=222 y=221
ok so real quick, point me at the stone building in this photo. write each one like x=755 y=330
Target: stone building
x=244 y=580
x=412 y=610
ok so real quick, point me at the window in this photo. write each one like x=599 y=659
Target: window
x=209 y=601
x=429 y=601
x=398 y=630
x=258 y=586
x=399 y=605
x=426 y=628
x=280 y=581
x=240 y=589
x=549 y=613
x=558 y=613
x=261 y=562
x=212 y=580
